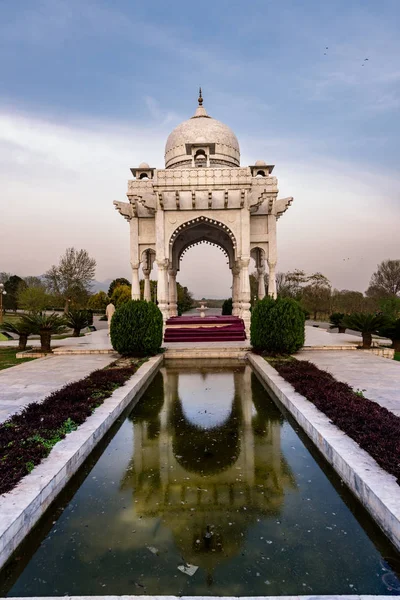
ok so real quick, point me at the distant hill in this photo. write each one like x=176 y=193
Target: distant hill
x=100 y=286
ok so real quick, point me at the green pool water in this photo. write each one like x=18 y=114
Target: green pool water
x=205 y=488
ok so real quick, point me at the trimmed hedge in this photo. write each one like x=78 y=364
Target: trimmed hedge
x=137 y=328
x=227 y=307
x=277 y=326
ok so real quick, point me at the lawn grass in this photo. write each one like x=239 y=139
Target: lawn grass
x=397 y=356
x=7 y=358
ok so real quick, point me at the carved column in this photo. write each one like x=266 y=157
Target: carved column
x=261 y=282
x=173 y=294
x=135 y=281
x=236 y=290
x=147 y=289
x=245 y=293
x=272 y=279
x=162 y=288
x=272 y=257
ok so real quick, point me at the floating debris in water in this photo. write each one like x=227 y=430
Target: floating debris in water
x=152 y=549
x=188 y=569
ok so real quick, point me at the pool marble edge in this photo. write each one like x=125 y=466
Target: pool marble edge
x=320 y=597
x=22 y=507
x=376 y=489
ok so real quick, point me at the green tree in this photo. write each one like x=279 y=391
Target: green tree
x=316 y=296
x=72 y=278
x=153 y=290
x=12 y=286
x=32 y=281
x=290 y=284
x=386 y=280
x=392 y=331
x=336 y=320
x=98 y=301
x=33 y=299
x=227 y=307
x=136 y=328
x=367 y=324
x=121 y=294
x=115 y=283
x=77 y=320
x=185 y=299
x=45 y=326
x=22 y=329
x=390 y=307
x=277 y=326
x=347 y=301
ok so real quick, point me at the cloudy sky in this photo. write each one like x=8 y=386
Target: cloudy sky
x=89 y=89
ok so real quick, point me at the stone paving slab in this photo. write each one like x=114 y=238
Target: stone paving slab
x=33 y=381
x=379 y=377
x=318 y=337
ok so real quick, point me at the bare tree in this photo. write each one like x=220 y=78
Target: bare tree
x=290 y=284
x=316 y=296
x=71 y=280
x=386 y=280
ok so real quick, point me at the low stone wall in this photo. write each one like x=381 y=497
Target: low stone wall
x=21 y=508
x=384 y=352
x=377 y=491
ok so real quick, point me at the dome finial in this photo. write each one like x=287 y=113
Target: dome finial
x=200 y=98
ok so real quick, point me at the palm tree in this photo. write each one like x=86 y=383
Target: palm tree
x=22 y=329
x=77 y=320
x=45 y=326
x=336 y=320
x=392 y=331
x=367 y=324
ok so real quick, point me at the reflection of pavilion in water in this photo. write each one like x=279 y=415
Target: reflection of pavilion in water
x=202 y=481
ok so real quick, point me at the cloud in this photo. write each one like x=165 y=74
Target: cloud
x=58 y=182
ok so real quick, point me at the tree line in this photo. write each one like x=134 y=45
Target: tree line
x=318 y=298
x=68 y=285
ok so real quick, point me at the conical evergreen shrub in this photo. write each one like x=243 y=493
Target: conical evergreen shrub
x=277 y=326
x=137 y=328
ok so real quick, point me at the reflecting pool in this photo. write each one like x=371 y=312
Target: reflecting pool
x=206 y=488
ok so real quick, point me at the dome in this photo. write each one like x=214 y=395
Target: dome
x=202 y=129
x=260 y=163
x=143 y=165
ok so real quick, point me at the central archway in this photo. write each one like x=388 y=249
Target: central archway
x=202 y=230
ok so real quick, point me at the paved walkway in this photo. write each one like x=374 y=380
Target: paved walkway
x=379 y=377
x=315 y=336
x=33 y=381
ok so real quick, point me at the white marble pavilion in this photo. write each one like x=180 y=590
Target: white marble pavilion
x=203 y=195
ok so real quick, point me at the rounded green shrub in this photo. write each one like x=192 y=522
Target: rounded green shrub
x=137 y=328
x=227 y=307
x=277 y=326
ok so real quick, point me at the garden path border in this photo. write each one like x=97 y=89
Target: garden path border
x=22 y=507
x=376 y=489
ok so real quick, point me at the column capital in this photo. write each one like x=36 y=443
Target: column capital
x=146 y=273
x=244 y=262
x=172 y=272
x=162 y=264
x=135 y=265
